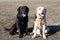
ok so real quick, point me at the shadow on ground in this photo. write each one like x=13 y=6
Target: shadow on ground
x=53 y=29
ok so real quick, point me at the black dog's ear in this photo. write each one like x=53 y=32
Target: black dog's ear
x=27 y=8
x=18 y=9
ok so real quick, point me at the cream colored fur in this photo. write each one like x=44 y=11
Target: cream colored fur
x=40 y=23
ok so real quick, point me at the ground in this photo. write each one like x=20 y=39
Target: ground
x=8 y=11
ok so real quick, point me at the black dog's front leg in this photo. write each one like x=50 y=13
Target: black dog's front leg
x=19 y=28
x=25 y=29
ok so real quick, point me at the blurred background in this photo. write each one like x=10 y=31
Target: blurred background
x=8 y=11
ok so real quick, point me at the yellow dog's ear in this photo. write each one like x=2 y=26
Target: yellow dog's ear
x=35 y=16
x=45 y=10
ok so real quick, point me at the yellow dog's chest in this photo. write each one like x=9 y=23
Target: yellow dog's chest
x=39 y=23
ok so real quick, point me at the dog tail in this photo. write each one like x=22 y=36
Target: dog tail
x=6 y=29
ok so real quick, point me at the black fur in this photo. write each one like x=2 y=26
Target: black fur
x=21 y=22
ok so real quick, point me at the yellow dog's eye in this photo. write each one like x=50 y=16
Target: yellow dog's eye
x=39 y=14
x=39 y=8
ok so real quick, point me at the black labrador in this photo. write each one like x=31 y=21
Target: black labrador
x=21 y=21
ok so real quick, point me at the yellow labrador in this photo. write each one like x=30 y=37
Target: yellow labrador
x=40 y=23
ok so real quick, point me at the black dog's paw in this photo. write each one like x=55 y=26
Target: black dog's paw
x=11 y=33
x=20 y=36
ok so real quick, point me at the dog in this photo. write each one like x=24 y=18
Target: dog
x=21 y=21
x=40 y=23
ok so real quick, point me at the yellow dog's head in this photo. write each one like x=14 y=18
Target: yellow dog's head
x=40 y=12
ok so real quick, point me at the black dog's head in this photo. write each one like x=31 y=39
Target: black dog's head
x=23 y=11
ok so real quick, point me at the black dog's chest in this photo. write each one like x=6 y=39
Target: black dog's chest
x=22 y=20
